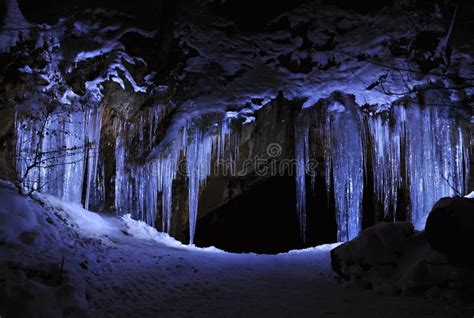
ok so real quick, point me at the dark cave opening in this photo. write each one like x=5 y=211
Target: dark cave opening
x=264 y=220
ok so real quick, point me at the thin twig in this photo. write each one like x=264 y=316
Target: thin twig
x=449 y=184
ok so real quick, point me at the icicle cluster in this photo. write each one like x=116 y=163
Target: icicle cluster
x=385 y=155
x=302 y=161
x=131 y=178
x=422 y=149
x=437 y=158
x=138 y=187
x=57 y=152
x=431 y=143
x=344 y=166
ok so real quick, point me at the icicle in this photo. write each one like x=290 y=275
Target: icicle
x=345 y=164
x=436 y=159
x=75 y=143
x=302 y=160
x=198 y=158
x=386 y=160
x=52 y=148
x=93 y=123
x=166 y=169
x=121 y=180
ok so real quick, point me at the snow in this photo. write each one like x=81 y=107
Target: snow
x=113 y=228
x=13 y=227
x=470 y=195
x=136 y=88
x=69 y=97
x=82 y=56
x=336 y=107
x=116 y=266
x=26 y=69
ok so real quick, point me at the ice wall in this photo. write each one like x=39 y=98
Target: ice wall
x=57 y=151
x=138 y=187
x=424 y=149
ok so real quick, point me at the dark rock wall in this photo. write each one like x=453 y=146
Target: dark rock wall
x=274 y=125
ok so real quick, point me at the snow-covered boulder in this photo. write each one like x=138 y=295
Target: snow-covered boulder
x=450 y=228
x=423 y=269
x=392 y=258
x=18 y=222
x=375 y=251
x=36 y=279
x=40 y=290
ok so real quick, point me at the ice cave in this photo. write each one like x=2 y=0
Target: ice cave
x=235 y=158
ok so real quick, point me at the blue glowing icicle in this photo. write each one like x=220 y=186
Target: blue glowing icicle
x=302 y=160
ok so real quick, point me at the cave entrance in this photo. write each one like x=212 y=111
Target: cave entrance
x=264 y=220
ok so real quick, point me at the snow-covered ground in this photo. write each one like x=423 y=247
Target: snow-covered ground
x=119 y=267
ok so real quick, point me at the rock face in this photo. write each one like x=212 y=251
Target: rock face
x=392 y=258
x=450 y=228
x=7 y=120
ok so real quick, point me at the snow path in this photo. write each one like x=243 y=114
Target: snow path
x=130 y=270
x=163 y=282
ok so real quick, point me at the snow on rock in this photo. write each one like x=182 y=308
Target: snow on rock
x=379 y=245
x=392 y=259
x=348 y=58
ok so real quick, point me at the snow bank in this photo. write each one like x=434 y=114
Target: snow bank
x=32 y=243
x=320 y=248
x=12 y=228
x=118 y=229
x=21 y=221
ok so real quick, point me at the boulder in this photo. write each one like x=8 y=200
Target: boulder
x=391 y=258
x=450 y=229
x=375 y=251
